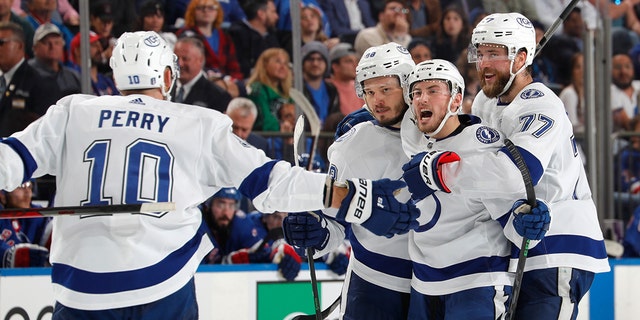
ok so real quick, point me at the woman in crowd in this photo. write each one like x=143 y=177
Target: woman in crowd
x=203 y=19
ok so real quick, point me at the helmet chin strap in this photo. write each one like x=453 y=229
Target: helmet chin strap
x=512 y=77
x=167 y=93
x=446 y=116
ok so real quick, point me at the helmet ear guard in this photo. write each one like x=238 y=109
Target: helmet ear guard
x=139 y=61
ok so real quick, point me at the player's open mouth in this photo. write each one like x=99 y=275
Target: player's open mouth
x=425 y=114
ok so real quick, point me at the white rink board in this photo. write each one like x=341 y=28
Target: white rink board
x=233 y=292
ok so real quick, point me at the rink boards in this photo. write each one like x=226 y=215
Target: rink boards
x=256 y=292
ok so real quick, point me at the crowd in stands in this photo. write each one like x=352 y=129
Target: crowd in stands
x=235 y=56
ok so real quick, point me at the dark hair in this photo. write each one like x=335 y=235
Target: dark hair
x=15 y=28
x=418 y=41
x=251 y=7
x=149 y=8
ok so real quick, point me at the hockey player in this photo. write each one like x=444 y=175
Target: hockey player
x=559 y=269
x=444 y=283
x=377 y=286
x=139 y=147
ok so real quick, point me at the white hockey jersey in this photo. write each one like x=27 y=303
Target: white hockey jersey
x=460 y=244
x=373 y=152
x=537 y=123
x=131 y=149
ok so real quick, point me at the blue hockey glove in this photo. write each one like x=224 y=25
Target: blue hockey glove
x=338 y=259
x=350 y=120
x=531 y=223
x=422 y=174
x=372 y=204
x=24 y=255
x=304 y=230
x=287 y=259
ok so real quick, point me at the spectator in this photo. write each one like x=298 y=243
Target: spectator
x=65 y=13
x=544 y=68
x=269 y=87
x=425 y=17
x=322 y=94
x=348 y=17
x=100 y=83
x=572 y=96
x=343 y=61
x=192 y=86
x=420 y=50
x=24 y=242
x=393 y=26
x=203 y=20
x=24 y=94
x=284 y=21
x=453 y=36
x=7 y=15
x=48 y=48
x=101 y=21
x=472 y=79
x=151 y=18
x=624 y=91
x=40 y=12
x=311 y=25
x=628 y=162
x=243 y=113
x=242 y=238
x=256 y=34
x=123 y=14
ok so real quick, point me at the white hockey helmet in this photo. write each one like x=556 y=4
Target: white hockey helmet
x=139 y=60
x=512 y=30
x=436 y=69
x=390 y=59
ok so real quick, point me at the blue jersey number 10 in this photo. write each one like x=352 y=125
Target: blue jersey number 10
x=147 y=176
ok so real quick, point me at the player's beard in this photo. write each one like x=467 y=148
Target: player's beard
x=622 y=84
x=396 y=119
x=493 y=90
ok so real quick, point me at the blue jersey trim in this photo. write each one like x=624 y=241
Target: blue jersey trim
x=29 y=163
x=113 y=282
x=257 y=181
x=389 y=265
x=534 y=165
x=478 y=265
x=567 y=244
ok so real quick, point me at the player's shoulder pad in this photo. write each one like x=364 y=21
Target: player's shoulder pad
x=353 y=131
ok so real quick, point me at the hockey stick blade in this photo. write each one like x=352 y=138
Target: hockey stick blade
x=297 y=133
x=87 y=210
x=524 y=247
x=323 y=315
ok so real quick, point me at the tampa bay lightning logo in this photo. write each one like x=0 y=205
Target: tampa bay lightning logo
x=402 y=50
x=435 y=217
x=524 y=22
x=487 y=135
x=152 y=41
x=531 y=94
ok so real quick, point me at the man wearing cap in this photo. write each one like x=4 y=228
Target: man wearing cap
x=322 y=95
x=24 y=95
x=100 y=83
x=48 y=49
x=343 y=60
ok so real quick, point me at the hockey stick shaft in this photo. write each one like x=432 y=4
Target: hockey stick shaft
x=87 y=210
x=554 y=26
x=324 y=314
x=297 y=133
x=524 y=247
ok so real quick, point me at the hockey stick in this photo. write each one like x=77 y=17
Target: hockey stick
x=524 y=247
x=314 y=121
x=554 y=26
x=297 y=133
x=323 y=315
x=136 y=208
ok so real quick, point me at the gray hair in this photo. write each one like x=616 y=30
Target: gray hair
x=243 y=105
